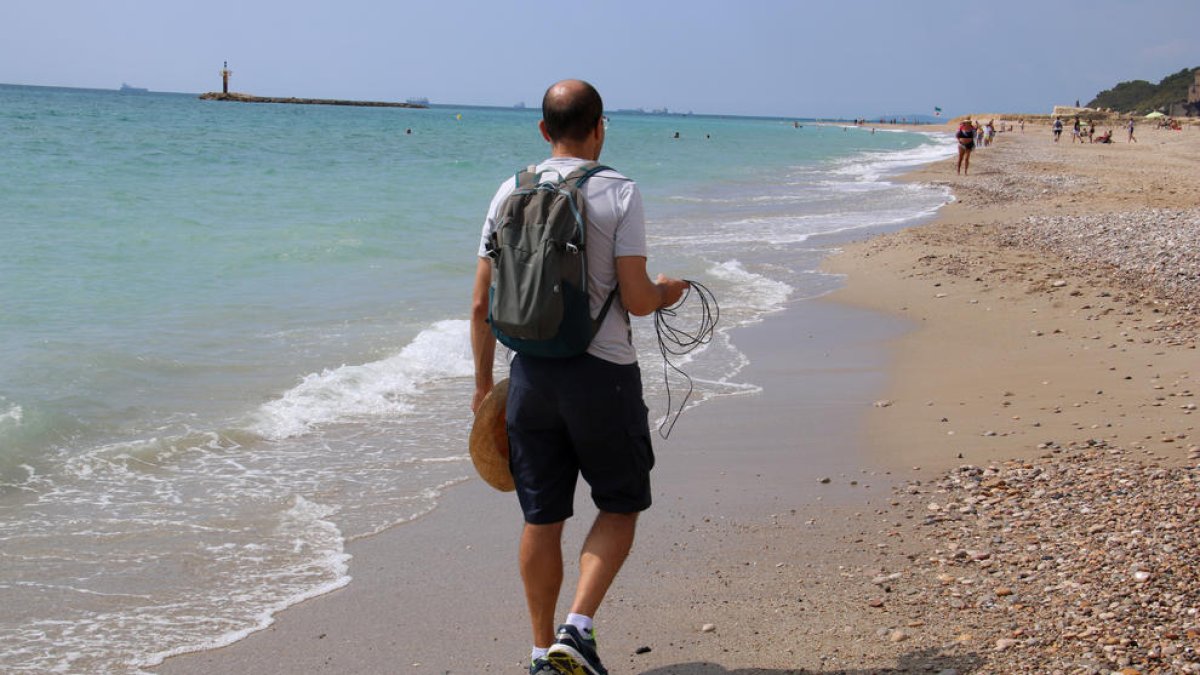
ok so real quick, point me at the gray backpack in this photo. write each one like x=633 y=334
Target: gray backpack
x=538 y=300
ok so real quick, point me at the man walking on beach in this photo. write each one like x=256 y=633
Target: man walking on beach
x=583 y=414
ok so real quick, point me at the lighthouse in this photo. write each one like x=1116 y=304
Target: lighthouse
x=225 y=73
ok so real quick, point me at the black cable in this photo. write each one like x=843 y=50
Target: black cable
x=676 y=341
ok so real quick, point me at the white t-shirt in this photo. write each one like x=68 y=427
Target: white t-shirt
x=616 y=228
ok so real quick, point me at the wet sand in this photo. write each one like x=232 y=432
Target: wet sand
x=741 y=514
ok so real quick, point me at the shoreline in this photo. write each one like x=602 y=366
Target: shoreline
x=1049 y=384
x=903 y=562
x=406 y=610
x=331 y=464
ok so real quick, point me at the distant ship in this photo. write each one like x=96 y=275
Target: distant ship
x=520 y=106
x=126 y=89
x=417 y=101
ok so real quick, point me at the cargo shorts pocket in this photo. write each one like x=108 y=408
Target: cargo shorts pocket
x=638 y=431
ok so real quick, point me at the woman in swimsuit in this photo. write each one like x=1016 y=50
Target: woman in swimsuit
x=966 y=143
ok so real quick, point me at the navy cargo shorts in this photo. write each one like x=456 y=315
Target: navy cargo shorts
x=577 y=416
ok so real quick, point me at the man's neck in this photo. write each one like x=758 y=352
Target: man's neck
x=573 y=151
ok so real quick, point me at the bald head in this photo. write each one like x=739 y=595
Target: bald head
x=571 y=110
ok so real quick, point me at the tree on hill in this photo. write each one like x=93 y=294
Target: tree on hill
x=1140 y=96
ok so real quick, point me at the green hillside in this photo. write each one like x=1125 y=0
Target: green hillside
x=1140 y=96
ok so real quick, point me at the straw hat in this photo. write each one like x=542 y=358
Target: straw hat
x=489 y=439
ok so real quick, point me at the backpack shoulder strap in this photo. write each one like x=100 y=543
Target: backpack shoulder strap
x=527 y=177
x=583 y=172
x=591 y=171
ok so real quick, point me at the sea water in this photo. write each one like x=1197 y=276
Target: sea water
x=234 y=337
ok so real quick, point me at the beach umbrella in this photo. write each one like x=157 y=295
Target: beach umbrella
x=1154 y=115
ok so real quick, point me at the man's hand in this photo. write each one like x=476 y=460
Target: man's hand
x=671 y=289
x=481 y=392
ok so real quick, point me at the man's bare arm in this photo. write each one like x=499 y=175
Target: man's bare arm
x=639 y=294
x=483 y=342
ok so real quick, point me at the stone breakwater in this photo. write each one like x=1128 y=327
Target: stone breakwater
x=1085 y=560
x=247 y=98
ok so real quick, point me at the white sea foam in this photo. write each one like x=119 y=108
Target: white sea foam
x=749 y=289
x=767 y=199
x=874 y=166
x=12 y=416
x=324 y=563
x=372 y=389
x=850 y=193
x=746 y=297
x=798 y=228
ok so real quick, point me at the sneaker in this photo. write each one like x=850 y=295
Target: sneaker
x=543 y=666
x=574 y=654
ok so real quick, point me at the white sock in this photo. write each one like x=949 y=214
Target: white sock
x=583 y=623
x=538 y=653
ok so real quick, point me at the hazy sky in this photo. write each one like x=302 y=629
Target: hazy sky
x=802 y=59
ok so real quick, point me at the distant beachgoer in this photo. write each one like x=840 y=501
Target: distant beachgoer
x=989 y=133
x=1022 y=126
x=1075 y=132
x=979 y=134
x=1057 y=129
x=966 y=143
x=408 y=132
x=1130 y=128
x=1105 y=137
x=676 y=135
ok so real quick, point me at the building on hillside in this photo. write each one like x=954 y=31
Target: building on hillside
x=1065 y=111
x=1192 y=107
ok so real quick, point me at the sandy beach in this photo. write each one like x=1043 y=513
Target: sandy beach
x=992 y=466
x=1055 y=354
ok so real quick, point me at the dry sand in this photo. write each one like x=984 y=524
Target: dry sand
x=1066 y=383
x=1053 y=372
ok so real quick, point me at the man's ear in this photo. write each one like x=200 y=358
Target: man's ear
x=542 y=128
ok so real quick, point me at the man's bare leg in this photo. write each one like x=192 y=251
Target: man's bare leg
x=542 y=572
x=604 y=551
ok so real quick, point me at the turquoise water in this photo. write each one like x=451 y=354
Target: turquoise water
x=233 y=337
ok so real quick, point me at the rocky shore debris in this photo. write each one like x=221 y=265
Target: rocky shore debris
x=1154 y=250
x=1085 y=560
